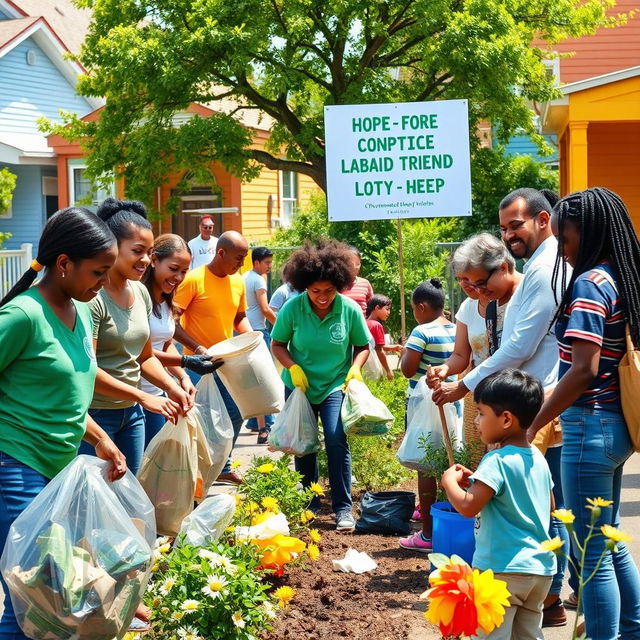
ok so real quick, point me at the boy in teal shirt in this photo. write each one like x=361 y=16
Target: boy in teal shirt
x=510 y=495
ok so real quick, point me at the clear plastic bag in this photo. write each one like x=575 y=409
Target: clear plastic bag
x=209 y=520
x=295 y=430
x=216 y=424
x=423 y=425
x=77 y=560
x=170 y=468
x=373 y=369
x=362 y=413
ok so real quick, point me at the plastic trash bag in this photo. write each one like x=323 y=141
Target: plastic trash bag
x=295 y=429
x=169 y=472
x=216 y=424
x=423 y=424
x=209 y=520
x=373 y=369
x=362 y=413
x=77 y=560
x=276 y=524
x=386 y=513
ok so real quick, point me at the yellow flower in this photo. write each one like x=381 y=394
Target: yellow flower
x=564 y=515
x=615 y=534
x=164 y=610
x=265 y=468
x=315 y=536
x=317 y=489
x=236 y=464
x=491 y=597
x=253 y=507
x=188 y=606
x=307 y=516
x=284 y=596
x=269 y=503
x=313 y=552
x=261 y=517
x=239 y=498
x=599 y=502
x=551 y=545
x=238 y=620
x=165 y=548
x=177 y=615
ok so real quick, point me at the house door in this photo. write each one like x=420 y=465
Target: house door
x=186 y=222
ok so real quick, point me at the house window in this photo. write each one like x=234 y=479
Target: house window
x=289 y=197
x=81 y=190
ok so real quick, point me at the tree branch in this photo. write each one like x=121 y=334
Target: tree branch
x=315 y=171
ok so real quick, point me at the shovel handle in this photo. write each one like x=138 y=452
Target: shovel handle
x=445 y=431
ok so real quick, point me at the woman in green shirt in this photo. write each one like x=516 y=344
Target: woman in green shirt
x=322 y=340
x=48 y=368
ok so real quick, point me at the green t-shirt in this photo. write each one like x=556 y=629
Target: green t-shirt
x=323 y=348
x=121 y=334
x=47 y=374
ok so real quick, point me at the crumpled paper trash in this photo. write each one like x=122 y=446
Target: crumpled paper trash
x=355 y=562
x=276 y=524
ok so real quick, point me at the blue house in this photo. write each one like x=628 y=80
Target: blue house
x=36 y=81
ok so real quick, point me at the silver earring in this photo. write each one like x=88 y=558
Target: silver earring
x=62 y=274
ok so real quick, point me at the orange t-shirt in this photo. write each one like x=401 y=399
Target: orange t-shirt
x=210 y=305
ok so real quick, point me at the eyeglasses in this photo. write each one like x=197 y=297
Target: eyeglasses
x=481 y=284
x=207 y=228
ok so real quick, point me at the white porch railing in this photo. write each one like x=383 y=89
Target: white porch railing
x=13 y=263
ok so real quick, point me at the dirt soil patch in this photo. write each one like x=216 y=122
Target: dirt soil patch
x=379 y=605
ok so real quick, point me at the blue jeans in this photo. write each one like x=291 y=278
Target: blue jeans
x=595 y=447
x=232 y=409
x=556 y=528
x=338 y=454
x=19 y=485
x=126 y=428
x=153 y=422
x=252 y=423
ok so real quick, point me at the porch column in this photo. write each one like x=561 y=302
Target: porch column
x=578 y=158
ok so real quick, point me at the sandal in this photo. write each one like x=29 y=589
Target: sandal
x=263 y=436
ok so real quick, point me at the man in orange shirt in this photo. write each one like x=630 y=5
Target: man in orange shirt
x=211 y=304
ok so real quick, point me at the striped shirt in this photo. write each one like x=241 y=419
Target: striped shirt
x=360 y=292
x=435 y=342
x=595 y=315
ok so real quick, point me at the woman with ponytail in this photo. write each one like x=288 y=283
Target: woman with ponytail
x=601 y=297
x=122 y=341
x=48 y=368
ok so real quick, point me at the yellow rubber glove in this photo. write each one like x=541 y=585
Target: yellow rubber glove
x=298 y=377
x=354 y=374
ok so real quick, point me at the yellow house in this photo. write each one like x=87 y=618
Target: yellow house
x=597 y=122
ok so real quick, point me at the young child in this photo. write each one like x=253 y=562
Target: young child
x=378 y=310
x=510 y=495
x=430 y=343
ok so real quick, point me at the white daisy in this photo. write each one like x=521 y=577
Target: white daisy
x=166 y=586
x=238 y=621
x=188 y=633
x=215 y=586
x=269 y=610
x=189 y=606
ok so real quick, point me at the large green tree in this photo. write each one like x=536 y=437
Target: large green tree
x=289 y=58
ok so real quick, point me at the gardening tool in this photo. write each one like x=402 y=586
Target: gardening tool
x=445 y=429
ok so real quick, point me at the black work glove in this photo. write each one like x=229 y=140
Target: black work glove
x=201 y=364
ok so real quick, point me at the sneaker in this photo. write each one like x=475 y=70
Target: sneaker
x=417 y=515
x=345 y=521
x=416 y=543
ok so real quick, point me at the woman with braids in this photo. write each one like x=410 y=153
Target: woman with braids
x=47 y=368
x=321 y=339
x=122 y=341
x=596 y=237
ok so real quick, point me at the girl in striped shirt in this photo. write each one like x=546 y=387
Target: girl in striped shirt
x=430 y=343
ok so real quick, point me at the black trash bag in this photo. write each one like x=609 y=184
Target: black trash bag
x=386 y=512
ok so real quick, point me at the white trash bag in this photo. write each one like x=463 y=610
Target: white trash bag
x=423 y=422
x=373 y=369
x=216 y=424
x=209 y=520
x=78 y=558
x=295 y=429
x=362 y=413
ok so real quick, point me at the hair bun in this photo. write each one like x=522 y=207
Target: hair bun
x=435 y=282
x=551 y=196
x=111 y=206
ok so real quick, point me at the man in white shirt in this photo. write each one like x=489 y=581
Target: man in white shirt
x=528 y=341
x=203 y=246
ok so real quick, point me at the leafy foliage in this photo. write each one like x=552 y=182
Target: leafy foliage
x=153 y=58
x=436 y=459
x=7 y=185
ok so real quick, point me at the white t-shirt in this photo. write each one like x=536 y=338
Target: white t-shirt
x=254 y=282
x=202 y=251
x=469 y=315
x=162 y=329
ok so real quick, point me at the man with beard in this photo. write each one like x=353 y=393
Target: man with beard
x=528 y=341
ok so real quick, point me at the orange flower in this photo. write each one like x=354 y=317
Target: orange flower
x=462 y=600
x=278 y=551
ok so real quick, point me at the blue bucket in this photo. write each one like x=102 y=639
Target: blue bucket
x=452 y=532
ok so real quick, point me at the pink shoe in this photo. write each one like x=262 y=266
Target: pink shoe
x=416 y=543
x=417 y=515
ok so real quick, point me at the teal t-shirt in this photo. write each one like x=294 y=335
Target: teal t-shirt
x=47 y=375
x=323 y=348
x=511 y=526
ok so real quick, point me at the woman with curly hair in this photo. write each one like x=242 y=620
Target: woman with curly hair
x=321 y=339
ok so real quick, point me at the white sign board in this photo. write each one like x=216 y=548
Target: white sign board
x=402 y=160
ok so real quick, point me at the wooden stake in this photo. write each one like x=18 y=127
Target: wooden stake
x=403 y=311
x=445 y=430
